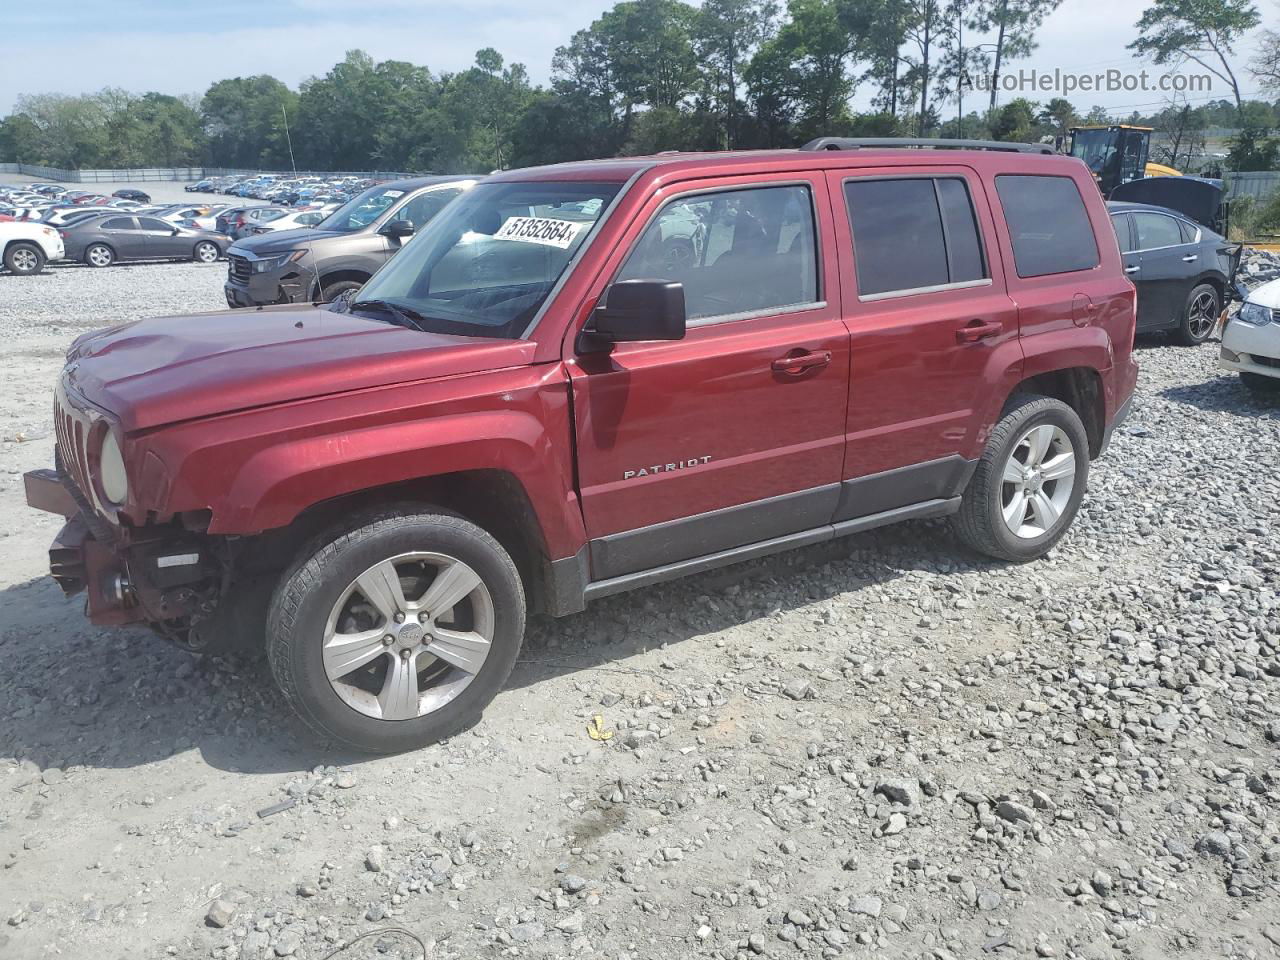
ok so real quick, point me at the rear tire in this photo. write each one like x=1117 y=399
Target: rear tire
x=24 y=259
x=99 y=255
x=367 y=625
x=1028 y=484
x=1257 y=383
x=332 y=291
x=1199 y=314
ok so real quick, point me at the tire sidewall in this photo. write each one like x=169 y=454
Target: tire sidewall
x=296 y=656
x=1184 y=328
x=1059 y=415
x=331 y=292
x=95 y=246
x=14 y=249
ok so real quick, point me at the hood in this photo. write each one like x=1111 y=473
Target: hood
x=152 y=372
x=1266 y=294
x=280 y=241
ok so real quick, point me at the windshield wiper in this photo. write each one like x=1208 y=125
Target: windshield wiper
x=405 y=316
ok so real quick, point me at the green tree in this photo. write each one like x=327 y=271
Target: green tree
x=726 y=33
x=1253 y=148
x=1015 y=121
x=1204 y=31
x=1060 y=115
x=819 y=49
x=1014 y=23
x=1265 y=65
x=244 y=119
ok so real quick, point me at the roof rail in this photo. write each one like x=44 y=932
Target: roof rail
x=935 y=143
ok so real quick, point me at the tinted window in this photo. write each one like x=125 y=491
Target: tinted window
x=735 y=251
x=119 y=223
x=1188 y=231
x=1156 y=230
x=1048 y=224
x=424 y=206
x=911 y=233
x=150 y=223
x=1121 y=223
x=964 y=248
x=897 y=235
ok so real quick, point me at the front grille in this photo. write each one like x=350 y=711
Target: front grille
x=72 y=430
x=238 y=269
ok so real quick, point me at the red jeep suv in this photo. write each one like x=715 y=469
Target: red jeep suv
x=586 y=378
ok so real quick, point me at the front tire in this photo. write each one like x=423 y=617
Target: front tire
x=334 y=290
x=24 y=259
x=1028 y=484
x=99 y=255
x=206 y=252
x=1199 y=314
x=397 y=632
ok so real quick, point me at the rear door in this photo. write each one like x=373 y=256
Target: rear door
x=933 y=331
x=735 y=434
x=1168 y=269
x=125 y=237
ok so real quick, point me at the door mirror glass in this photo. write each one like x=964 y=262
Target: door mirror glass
x=398 y=229
x=634 y=310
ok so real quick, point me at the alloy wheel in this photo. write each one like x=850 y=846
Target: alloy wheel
x=25 y=261
x=1037 y=481
x=1202 y=314
x=100 y=256
x=408 y=635
x=206 y=253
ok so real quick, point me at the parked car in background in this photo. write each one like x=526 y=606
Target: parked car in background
x=200 y=186
x=288 y=220
x=131 y=194
x=102 y=241
x=63 y=216
x=1184 y=272
x=342 y=251
x=1251 y=340
x=253 y=215
x=26 y=247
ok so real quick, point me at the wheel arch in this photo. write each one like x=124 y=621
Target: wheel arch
x=1080 y=388
x=115 y=254
x=335 y=276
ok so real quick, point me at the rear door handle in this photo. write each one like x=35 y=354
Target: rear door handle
x=794 y=364
x=1190 y=257
x=977 y=330
x=1134 y=269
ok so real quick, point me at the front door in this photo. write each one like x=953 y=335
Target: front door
x=159 y=239
x=735 y=434
x=931 y=325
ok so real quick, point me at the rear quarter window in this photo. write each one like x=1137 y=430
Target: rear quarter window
x=1048 y=224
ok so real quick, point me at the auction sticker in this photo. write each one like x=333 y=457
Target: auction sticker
x=548 y=232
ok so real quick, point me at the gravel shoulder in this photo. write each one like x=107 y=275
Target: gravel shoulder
x=881 y=747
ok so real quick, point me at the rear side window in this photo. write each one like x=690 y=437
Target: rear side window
x=119 y=223
x=1188 y=231
x=1048 y=224
x=1123 y=237
x=913 y=233
x=1156 y=230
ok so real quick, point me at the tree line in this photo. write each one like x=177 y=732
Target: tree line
x=648 y=75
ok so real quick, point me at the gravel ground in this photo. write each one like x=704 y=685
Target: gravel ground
x=878 y=748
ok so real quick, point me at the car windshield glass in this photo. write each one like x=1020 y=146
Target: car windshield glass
x=362 y=210
x=484 y=266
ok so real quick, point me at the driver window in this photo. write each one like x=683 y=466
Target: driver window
x=423 y=207
x=736 y=251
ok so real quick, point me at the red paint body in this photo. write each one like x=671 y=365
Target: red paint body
x=254 y=416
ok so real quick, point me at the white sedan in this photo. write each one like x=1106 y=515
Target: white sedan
x=291 y=220
x=1251 y=340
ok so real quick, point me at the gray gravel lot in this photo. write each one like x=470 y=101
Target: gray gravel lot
x=878 y=748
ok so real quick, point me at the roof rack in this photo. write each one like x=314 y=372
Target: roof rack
x=935 y=143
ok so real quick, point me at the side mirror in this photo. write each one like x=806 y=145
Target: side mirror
x=398 y=229
x=635 y=310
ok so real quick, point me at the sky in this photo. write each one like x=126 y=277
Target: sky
x=175 y=47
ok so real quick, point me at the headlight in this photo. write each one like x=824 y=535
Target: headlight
x=273 y=263
x=111 y=475
x=1254 y=314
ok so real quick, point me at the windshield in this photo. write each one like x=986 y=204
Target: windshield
x=485 y=265
x=362 y=210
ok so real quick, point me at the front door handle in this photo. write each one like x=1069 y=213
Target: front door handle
x=794 y=364
x=1133 y=269
x=977 y=330
x=1190 y=258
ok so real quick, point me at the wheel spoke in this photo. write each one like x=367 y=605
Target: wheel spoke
x=1039 y=439
x=451 y=585
x=398 y=699
x=1043 y=510
x=1014 y=472
x=381 y=587
x=1015 y=511
x=465 y=650
x=344 y=652
x=1059 y=467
